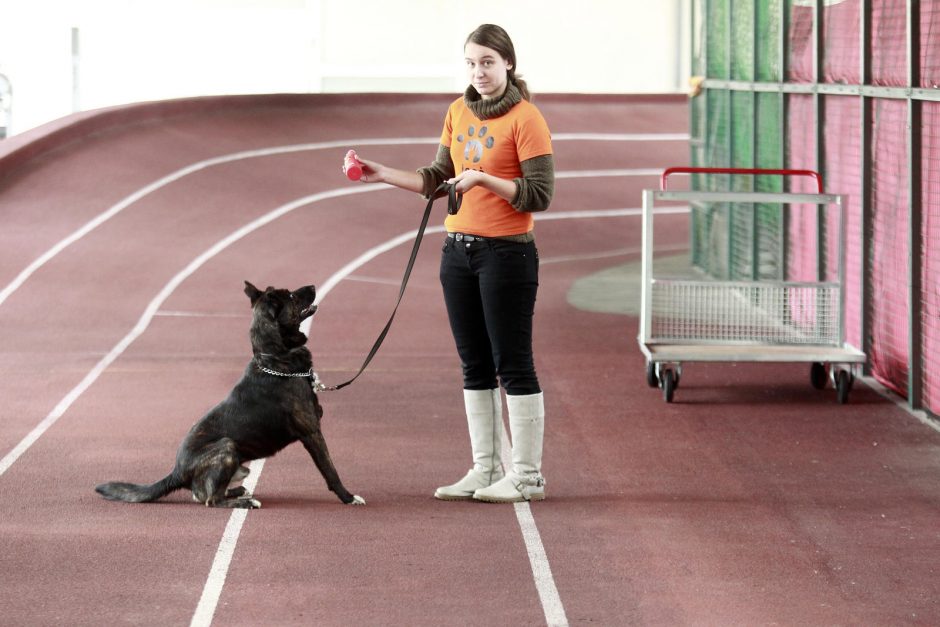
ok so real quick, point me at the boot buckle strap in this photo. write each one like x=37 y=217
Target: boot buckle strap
x=524 y=485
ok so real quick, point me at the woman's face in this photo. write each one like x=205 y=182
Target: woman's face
x=487 y=70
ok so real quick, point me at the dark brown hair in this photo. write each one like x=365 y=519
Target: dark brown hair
x=493 y=36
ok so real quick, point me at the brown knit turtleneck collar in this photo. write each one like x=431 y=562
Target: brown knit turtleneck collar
x=487 y=109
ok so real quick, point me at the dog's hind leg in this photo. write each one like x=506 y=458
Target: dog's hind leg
x=216 y=468
x=316 y=446
x=238 y=491
x=241 y=473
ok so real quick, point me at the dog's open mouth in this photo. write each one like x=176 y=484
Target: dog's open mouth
x=302 y=301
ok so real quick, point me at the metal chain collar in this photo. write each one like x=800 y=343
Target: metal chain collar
x=313 y=376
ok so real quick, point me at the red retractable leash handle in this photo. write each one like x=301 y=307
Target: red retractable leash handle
x=352 y=167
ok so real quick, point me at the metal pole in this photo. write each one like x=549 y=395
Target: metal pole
x=702 y=35
x=784 y=129
x=841 y=206
x=915 y=294
x=819 y=115
x=646 y=263
x=729 y=139
x=864 y=204
x=755 y=247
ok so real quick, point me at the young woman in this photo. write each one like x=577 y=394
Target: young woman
x=496 y=149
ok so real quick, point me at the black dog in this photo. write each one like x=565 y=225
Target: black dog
x=272 y=406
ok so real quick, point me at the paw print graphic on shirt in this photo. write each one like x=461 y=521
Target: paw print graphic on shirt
x=474 y=147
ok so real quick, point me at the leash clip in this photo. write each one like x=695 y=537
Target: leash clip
x=318 y=385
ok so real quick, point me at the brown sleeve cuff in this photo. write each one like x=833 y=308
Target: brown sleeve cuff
x=534 y=190
x=441 y=169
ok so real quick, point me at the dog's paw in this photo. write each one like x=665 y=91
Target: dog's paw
x=357 y=500
x=248 y=503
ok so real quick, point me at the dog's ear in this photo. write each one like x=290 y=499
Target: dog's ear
x=252 y=292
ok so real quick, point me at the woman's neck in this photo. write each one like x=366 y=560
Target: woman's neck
x=491 y=107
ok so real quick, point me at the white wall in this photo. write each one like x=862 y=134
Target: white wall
x=138 y=50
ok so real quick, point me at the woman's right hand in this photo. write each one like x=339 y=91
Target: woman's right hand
x=372 y=171
x=375 y=172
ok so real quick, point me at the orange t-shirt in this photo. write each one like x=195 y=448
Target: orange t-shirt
x=495 y=146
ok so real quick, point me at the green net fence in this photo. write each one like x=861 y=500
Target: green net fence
x=738 y=129
x=805 y=84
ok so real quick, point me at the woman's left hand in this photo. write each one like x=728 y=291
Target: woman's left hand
x=467 y=180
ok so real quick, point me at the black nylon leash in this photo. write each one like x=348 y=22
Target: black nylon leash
x=453 y=205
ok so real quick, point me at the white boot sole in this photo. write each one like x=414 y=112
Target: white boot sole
x=453 y=497
x=512 y=499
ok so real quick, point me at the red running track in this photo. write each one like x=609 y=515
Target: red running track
x=751 y=499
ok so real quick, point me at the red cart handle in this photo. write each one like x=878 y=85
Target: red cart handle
x=684 y=170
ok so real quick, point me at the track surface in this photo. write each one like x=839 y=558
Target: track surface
x=753 y=499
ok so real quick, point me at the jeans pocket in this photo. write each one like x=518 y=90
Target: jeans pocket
x=506 y=250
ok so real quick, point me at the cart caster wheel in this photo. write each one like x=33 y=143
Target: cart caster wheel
x=844 y=382
x=669 y=385
x=651 y=379
x=818 y=376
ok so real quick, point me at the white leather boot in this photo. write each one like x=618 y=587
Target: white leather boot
x=485 y=421
x=525 y=481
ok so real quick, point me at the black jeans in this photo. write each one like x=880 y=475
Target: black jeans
x=489 y=289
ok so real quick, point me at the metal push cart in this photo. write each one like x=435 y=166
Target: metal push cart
x=764 y=317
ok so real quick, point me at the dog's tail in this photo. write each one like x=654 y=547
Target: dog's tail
x=137 y=493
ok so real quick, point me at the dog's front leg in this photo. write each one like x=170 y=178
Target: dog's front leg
x=316 y=446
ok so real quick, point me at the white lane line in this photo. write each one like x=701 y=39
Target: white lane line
x=605 y=213
x=538 y=560
x=622 y=137
x=582 y=174
x=608 y=254
x=154 y=306
x=211 y=592
x=541 y=570
x=169 y=313
x=103 y=217
x=373 y=279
